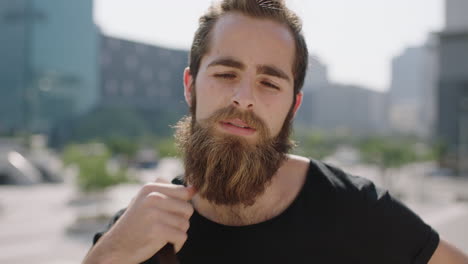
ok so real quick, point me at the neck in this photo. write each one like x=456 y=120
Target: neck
x=237 y=215
x=278 y=195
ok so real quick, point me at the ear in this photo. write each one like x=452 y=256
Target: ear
x=298 y=102
x=188 y=85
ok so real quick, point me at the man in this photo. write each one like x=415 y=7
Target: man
x=245 y=200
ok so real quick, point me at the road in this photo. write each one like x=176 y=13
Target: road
x=35 y=222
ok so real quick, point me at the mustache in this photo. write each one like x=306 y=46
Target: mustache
x=232 y=112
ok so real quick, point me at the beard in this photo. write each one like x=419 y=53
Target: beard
x=227 y=169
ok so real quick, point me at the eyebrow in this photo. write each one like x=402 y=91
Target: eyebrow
x=261 y=69
x=228 y=62
x=273 y=71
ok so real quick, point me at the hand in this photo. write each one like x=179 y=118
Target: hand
x=158 y=215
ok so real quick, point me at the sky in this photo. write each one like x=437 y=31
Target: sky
x=356 y=39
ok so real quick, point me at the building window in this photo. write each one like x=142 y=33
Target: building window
x=114 y=44
x=106 y=59
x=146 y=74
x=164 y=54
x=128 y=88
x=164 y=91
x=151 y=91
x=111 y=87
x=131 y=62
x=164 y=75
x=140 y=49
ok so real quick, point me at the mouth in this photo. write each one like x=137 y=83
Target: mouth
x=237 y=127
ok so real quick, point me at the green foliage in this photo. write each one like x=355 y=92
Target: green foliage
x=437 y=151
x=393 y=153
x=166 y=147
x=122 y=146
x=92 y=161
x=317 y=144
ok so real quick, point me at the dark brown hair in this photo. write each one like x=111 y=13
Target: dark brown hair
x=269 y=9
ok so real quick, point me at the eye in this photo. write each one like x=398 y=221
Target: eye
x=270 y=85
x=227 y=76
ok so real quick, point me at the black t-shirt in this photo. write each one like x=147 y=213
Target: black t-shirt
x=335 y=218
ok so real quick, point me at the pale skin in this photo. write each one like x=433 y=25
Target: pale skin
x=249 y=65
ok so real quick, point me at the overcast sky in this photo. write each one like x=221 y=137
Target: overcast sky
x=356 y=39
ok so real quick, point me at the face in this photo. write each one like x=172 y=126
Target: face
x=249 y=67
x=242 y=96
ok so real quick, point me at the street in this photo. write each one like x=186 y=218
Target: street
x=37 y=222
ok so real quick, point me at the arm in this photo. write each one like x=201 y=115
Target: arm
x=448 y=254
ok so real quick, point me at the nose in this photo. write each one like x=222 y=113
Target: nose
x=244 y=97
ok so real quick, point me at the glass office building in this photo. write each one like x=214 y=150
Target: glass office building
x=49 y=67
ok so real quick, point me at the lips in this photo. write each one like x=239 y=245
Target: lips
x=237 y=122
x=237 y=126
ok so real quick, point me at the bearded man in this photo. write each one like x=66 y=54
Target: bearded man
x=245 y=199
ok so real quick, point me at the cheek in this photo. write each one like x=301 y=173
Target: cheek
x=209 y=98
x=275 y=114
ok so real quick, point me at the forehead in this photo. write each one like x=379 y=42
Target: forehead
x=252 y=41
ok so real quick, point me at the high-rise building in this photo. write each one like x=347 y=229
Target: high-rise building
x=315 y=79
x=317 y=75
x=456 y=18
x=411 y=95
x=13 y=32
x=49 y=67
x=452 y=124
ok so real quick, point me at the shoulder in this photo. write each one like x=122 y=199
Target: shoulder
x=340 y=186
x=379 y=223
x=325 y=186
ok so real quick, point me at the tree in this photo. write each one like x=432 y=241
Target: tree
x=92 y=162
x=317 y=144
x=166 y=147
x=122 y=146
x=390 y=153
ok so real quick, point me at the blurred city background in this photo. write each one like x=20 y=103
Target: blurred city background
x=89 y=91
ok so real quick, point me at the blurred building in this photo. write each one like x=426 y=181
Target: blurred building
x=315 y=79
x=140 y=93
x=452 y=122
x=142 y=76
x=317 y=75
x=49 y=69
x=455 y=15
x=350 y=109
x=411 y=108
x=339 y=108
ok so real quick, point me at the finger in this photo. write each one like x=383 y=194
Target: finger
x=174 y=236
x=171 y=190
x=172 y=220
x=168 y=204
x=177 y=191
x=162 y=180
x=167 y=254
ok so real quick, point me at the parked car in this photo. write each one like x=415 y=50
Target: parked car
x=16 y=169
